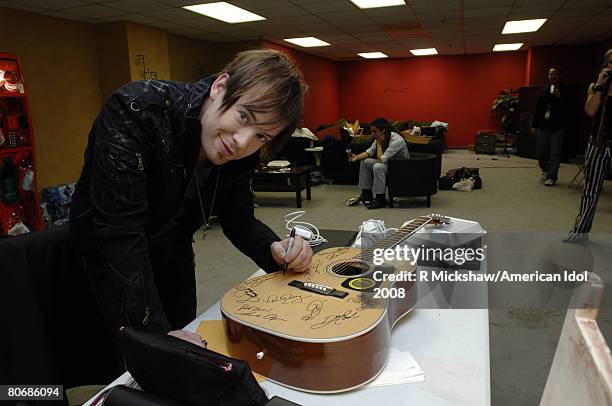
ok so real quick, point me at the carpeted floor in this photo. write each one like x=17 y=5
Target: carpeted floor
x=459 y=158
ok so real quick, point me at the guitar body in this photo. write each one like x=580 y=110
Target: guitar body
x=313 y=341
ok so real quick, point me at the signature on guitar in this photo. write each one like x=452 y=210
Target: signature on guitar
x=313 y=309
x=258 y=312
x=245 y=295
x=336 y=319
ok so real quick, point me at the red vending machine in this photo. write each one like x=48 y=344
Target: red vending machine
x=19 y=202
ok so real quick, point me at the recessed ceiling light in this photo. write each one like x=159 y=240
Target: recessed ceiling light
x=225 y=12
x=424 y=51
x=372 y=55
x=515 y=27
x=507 y=47
x=307 y=42
x=377 y=3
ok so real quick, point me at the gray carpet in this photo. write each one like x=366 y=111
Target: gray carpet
x=513 y=199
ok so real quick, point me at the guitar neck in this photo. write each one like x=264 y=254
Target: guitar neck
x=396 y=238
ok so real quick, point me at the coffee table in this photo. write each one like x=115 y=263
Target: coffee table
x=293 y=179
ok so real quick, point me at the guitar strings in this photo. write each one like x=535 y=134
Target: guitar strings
x=367 y=255
x=403 y=233
x=392 y=240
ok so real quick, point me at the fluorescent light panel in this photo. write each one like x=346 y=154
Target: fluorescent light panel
x=307 y=42
x=225 y=12
x=507 y=47
x=377 y=3
x=424 y=51
x=518 y=26
x=372 y=55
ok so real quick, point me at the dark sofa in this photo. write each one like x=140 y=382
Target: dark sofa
x=337 y=168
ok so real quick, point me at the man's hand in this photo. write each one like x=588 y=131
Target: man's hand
x=188 y=336
x=298 y=259
x=353 y=158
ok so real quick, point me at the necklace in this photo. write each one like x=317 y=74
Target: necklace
x=206 y=226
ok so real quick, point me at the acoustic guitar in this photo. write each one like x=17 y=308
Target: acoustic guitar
x=327 y=329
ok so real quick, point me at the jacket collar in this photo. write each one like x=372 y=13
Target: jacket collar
x=198 y=93
x=193 y=128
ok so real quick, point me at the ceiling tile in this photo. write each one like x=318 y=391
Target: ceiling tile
x=303 y=21
x=64 y=16
x=94 y=11
x=282 y=12
x=529 y=15
x=201 y=22
x=439 y=6
x=440 y=18
x=527 y=2
x=172 y=14
x=352 y=24
x=602 y=21
x=535 y=8
x=181 y=3
x=329 y=7
x=339 y=37
x=485 y=12
x=53 y=5
x=476 y=4
x=577 y=4
x=344 y=15
x=253 y=6
x=135 y=6
x=578 y=12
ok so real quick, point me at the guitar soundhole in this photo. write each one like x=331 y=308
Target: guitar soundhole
x=351 y=268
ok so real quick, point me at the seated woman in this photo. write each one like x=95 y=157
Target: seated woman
x=373 y=168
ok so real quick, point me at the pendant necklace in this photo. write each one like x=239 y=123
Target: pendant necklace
x=206 y=226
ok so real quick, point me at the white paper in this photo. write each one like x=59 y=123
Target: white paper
x=401 y=368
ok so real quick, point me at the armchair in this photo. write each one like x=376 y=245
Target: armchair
x=413 y=177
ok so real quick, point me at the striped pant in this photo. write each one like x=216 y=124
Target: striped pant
x=596 y=168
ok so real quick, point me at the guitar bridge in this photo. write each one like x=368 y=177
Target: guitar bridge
x=320 y=289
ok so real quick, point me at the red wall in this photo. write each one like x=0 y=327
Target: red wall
x=322 y=104
x=455 y=89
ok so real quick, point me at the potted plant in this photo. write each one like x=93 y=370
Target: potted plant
x=504 y=106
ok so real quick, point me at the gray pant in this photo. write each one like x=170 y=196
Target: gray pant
x=549 y=146
x=373 y=175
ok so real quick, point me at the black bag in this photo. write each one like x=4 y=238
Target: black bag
x=447 y=181
x=122 y=395
x=473 y=173
x=179 y=370
x=455 y=175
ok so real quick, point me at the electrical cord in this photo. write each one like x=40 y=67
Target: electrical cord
x=303 y=228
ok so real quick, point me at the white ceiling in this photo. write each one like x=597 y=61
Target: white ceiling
x=451 y=26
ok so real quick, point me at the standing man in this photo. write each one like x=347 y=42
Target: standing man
x=163 y=156
x=549 y=126
x=598 y=151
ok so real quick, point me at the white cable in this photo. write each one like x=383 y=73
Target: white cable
x=308 y=228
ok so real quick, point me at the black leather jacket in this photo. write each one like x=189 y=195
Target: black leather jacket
x=141 y=154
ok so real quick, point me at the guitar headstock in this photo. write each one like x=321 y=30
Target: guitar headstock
x=438 y=219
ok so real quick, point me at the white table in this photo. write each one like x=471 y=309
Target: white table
x=451 y=346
